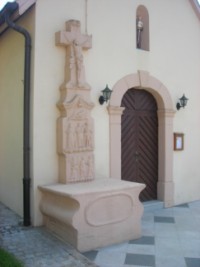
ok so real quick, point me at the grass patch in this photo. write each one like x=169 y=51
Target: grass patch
x=8 y=260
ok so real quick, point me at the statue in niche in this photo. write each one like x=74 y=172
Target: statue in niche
x=140 y=27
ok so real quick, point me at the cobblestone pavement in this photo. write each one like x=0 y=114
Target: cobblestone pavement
x=35 y=246
x=170 y=238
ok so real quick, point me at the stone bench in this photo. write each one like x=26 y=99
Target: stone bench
x=93 y=214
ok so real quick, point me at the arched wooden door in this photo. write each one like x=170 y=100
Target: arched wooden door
x=139 y=141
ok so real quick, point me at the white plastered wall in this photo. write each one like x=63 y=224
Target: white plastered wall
x=173 y=59
x=11 y=147
x=11 y=115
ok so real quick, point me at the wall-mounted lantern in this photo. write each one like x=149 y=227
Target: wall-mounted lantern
x=182 y=102
x=106 y=95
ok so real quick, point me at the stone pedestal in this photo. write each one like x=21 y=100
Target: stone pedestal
x=93 y=214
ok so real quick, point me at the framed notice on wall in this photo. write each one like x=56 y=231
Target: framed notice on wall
x=178 y=141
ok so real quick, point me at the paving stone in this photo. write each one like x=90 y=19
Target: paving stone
x=36 y=247
x=172 y=239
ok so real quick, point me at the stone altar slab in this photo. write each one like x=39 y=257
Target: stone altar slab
x=93 y=214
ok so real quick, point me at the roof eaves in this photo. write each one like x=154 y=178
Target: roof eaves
x=12 y=7
x=196 y=7
x=23 y=6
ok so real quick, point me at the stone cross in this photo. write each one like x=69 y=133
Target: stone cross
x=76 y=41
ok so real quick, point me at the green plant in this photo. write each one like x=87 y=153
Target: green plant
x=8 y=260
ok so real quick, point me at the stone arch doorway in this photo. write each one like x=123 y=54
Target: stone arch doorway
x=165 y=112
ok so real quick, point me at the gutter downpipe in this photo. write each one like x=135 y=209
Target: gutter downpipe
x=9 y=8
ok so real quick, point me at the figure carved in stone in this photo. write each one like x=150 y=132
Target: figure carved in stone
x=82 y=169
x=88 y=136
x=140 y=27
x=71 y=140
x=90 y=168
x=74 y=170
x=76 y=51
x=76 y=41
x=81 y=135
x=78 y=135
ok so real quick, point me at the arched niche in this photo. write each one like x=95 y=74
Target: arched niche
x=142 y=28
x=142 y=80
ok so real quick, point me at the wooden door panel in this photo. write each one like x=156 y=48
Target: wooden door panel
x=140 y=141
x=129 y=146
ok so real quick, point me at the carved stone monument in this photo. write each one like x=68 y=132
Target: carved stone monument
x=75 y=126
x=85 y=212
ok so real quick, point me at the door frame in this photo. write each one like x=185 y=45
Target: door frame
x=143 y=80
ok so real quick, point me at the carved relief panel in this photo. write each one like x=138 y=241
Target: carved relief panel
x=76 y=141
x=80 y=167
x=79 y=137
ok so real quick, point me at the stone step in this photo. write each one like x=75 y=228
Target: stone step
x=153 y=205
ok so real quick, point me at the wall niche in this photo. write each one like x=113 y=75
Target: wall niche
x=142 y=28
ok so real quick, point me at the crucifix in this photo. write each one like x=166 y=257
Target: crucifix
x=76 y=41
